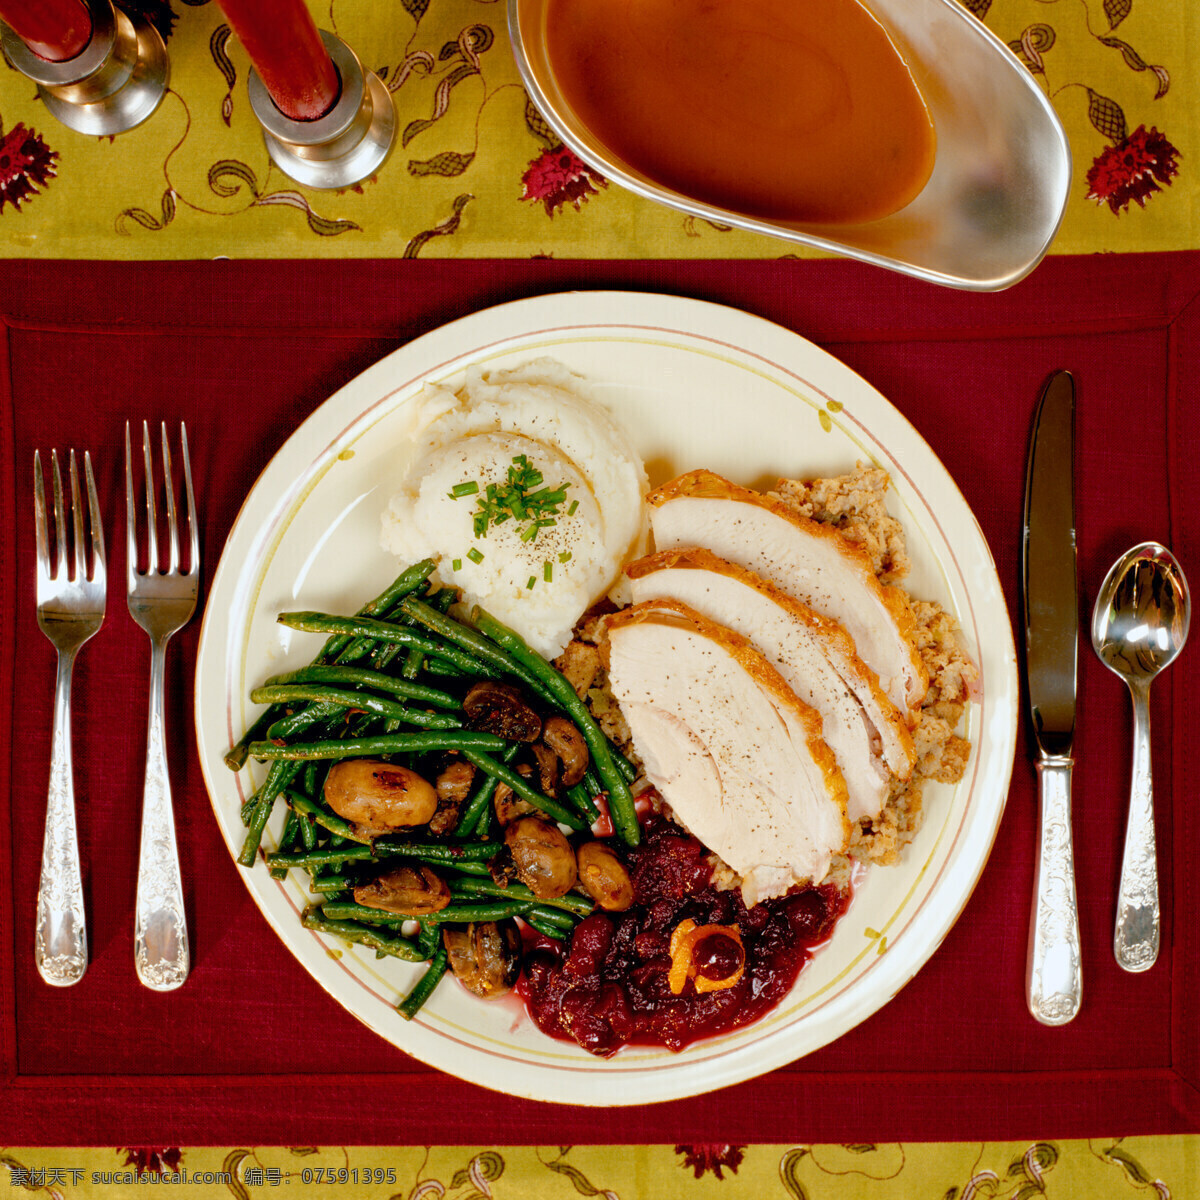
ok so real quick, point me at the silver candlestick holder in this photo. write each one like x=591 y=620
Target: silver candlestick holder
x=113 y=84
x=346 y=145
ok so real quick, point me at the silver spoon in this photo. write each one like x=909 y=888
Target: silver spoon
x=1139 y=625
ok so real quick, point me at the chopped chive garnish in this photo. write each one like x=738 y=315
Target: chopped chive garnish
x=564 y=556
x=547 y=570
x=532 y=581
x=474 y=555
x=574 y=506
x=516 y=500
x=456 y=565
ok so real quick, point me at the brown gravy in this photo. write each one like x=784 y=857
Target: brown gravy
x=790 y=110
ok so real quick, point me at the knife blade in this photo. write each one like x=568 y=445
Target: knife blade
x=1050 y=588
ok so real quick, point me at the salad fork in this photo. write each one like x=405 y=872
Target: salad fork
x=161 y=602
x=70 y=609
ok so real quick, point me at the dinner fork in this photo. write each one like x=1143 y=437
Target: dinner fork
x=161 y=602
x=70 y=608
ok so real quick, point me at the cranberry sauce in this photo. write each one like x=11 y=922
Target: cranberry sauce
x=608 y=985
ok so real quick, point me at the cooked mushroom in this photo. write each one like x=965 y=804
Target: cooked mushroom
x=379 y=796
x=413 y=891
x=485 y=955
x=453 y=788
x=500 y=708
x=507 y=804
x=445 y=820
x=454 y=783
x=547 y=763
x=542 y=857
x=567 y=743
x=604 y=877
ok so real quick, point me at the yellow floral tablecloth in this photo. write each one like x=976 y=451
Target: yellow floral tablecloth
x=477 y=173
x=1098 y=1169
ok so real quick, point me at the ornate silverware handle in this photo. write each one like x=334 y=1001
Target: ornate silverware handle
x=160 y=944
x=1136 y=938
x=1053 y=982
x=60 y=939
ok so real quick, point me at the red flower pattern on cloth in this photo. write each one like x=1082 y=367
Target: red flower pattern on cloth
x=1133 y=169
x=557 y=177
x=27 y=164
x=156 y=12
x=711 y=1156
x=153 y=1160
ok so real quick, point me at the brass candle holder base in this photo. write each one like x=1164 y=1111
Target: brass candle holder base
x=112 y=85
x=345 y=146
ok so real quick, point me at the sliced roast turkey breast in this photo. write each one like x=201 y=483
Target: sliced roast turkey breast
x=735 y=753
x=808 y=560
x=864 y=729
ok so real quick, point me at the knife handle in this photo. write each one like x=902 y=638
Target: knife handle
x=1054 y=985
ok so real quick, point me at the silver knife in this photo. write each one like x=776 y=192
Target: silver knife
x=1053 y=979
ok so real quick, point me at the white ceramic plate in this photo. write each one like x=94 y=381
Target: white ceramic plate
x=694 y=384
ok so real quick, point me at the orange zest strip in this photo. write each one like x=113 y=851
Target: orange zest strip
x=685 y=937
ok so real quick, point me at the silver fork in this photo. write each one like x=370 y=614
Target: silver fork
x=161 y=602
x=70 y=608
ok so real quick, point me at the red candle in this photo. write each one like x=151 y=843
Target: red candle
x=287 y=52
x=55 y=30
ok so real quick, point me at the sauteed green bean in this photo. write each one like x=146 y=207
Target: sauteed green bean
x=389 y=783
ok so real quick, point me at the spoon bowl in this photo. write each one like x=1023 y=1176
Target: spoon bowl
x=1139 y=626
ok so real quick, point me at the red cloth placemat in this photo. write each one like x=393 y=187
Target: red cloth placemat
x=243 y=352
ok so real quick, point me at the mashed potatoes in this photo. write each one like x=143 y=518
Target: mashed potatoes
x=527 y=493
